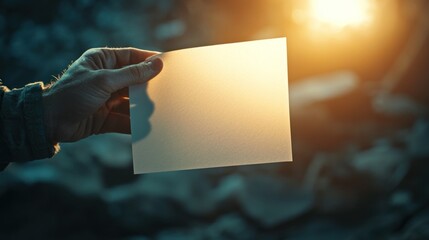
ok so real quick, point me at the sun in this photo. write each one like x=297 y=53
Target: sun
x=339 y=13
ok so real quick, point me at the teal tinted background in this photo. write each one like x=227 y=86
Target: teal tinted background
x=360 y=145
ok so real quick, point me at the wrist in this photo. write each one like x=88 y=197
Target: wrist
x=48 y=116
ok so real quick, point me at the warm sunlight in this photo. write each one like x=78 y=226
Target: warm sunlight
x=340 y=13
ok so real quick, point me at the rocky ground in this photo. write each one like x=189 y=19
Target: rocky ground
x=360 y=132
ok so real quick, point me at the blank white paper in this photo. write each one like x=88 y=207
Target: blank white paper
x=213 y=106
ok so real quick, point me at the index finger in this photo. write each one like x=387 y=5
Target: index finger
x=113 y=58
x=128 y=56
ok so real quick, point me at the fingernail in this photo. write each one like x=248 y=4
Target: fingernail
x=154 y=66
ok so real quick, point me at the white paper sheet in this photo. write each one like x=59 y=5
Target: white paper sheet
x=213 y=106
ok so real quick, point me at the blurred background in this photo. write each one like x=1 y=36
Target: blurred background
x=359 y=81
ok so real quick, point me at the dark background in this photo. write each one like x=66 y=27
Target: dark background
x=359 y=115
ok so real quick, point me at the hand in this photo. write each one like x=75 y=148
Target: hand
x=91 y=97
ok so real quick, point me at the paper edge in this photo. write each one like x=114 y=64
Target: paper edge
x=232 y=165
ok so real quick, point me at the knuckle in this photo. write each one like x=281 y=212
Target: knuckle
x=100 y=57
x=97 y=52
x=92 y=52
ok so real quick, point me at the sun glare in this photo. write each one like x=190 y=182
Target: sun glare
x=339 y=13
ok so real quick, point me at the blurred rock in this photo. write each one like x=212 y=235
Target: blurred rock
x=2 y=24
x=337 y=186
x=398 y=105
x=400 y=198
x=319 y=88
x=417 y=228
x=229 y=226
x=360 y=162
x=179 y=234
x=271 y=200
x=146 y=214
x=384 y=163
x=321 y=229
x=418 y=139
x=194 y=190
x=174 y=28
x=47 y=211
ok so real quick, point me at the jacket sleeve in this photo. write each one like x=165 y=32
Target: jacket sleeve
x=22 y=128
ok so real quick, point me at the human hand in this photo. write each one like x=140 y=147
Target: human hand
x=90 y=97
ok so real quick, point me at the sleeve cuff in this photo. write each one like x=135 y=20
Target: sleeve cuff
x=34 y=122
x=23 y=124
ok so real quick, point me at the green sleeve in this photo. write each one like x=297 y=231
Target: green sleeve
x=22 y=128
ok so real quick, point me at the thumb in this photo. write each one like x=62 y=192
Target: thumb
x=133 y=74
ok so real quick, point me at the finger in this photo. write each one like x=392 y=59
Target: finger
x=114 y=102
x=121 y=93
x=123 y=107
x=127 y=56
x=116 y=79
x=116 y=122
x=113 y=58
